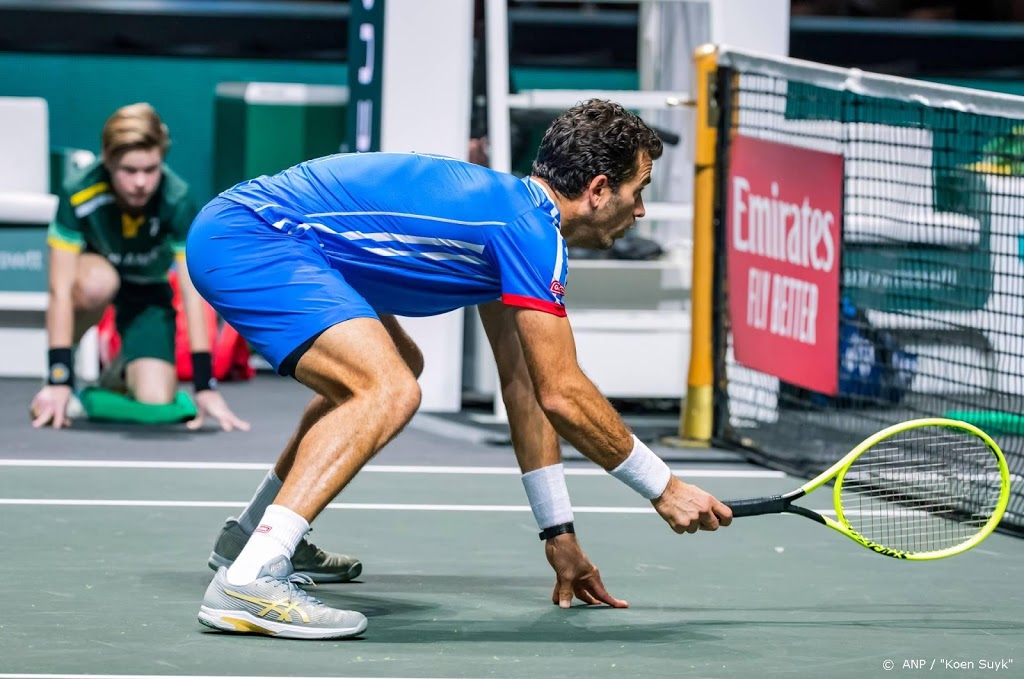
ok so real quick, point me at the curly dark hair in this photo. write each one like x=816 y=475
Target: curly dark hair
x=592 y=138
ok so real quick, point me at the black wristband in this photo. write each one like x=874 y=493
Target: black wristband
x=202 y=371
x=559 y=529
x=61 y=371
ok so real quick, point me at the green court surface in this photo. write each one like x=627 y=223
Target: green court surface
x=104 y=569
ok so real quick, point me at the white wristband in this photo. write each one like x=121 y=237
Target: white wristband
x=643 y=471
x=548 y=495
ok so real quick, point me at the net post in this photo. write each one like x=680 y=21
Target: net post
x=697 y=414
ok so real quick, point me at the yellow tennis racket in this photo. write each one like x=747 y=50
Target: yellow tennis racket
x=921 y=490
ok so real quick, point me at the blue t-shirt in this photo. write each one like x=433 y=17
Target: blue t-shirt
x=418 y=235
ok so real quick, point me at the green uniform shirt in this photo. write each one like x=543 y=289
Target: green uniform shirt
x=141 y=247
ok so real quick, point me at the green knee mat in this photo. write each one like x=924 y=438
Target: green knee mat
x=102 y=405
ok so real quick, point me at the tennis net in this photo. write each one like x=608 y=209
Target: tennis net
x=869 y=260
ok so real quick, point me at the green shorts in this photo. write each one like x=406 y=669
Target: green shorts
x=146 y=321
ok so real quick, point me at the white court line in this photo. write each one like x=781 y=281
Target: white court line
x=46 y=502
x=164 y=676
x=373 y=468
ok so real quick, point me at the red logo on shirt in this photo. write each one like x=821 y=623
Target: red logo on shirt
x=557 y=288
x=263 y=528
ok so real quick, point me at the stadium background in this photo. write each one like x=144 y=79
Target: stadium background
x=85 y=58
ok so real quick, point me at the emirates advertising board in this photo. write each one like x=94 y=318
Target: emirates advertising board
x=783 y=211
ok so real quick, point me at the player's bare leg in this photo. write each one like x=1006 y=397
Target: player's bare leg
x=96 y=285
x=308 y=559
x=320 y=406
x=149 y=380
x=356 y=368
x=367 y=394
x=152 y=380
x=356 y=365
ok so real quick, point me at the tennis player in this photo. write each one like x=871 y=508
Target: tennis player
x=312 y=265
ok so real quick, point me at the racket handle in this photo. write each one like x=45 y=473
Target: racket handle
x=757 y=506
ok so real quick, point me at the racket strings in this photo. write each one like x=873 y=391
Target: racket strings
x=922 y=490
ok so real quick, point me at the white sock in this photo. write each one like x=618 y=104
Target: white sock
x=277 y=535
x=264 y=497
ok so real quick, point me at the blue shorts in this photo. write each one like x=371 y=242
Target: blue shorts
x=276 y=288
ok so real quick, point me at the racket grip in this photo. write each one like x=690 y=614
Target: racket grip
x=757 y=506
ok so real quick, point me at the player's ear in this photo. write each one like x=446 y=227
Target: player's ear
x=599 y=191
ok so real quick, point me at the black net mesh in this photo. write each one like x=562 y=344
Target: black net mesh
x=932 y=285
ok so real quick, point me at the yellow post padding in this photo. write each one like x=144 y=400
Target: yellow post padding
x=697 y=416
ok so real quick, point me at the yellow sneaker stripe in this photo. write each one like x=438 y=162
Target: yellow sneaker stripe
x=246 y=626
x=283 y=607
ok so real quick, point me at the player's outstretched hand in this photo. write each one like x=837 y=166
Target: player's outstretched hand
x=50 y=406
x=210 y=403
x=575 y=575
x=687 y=508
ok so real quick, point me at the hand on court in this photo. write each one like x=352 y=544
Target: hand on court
x=688 y=509
x=209 y=402
x=50 y=406
x=576 y=575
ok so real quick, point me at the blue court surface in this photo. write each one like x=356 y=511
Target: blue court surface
x=106 y=531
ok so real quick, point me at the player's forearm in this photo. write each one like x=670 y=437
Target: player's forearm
x=198 y=333
x=533 y=438
x=584 y=417
x=60 y=320
x=581 y=415
x=60 y=308
x=537 y=450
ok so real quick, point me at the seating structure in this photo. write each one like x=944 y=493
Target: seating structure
x=26 y=209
